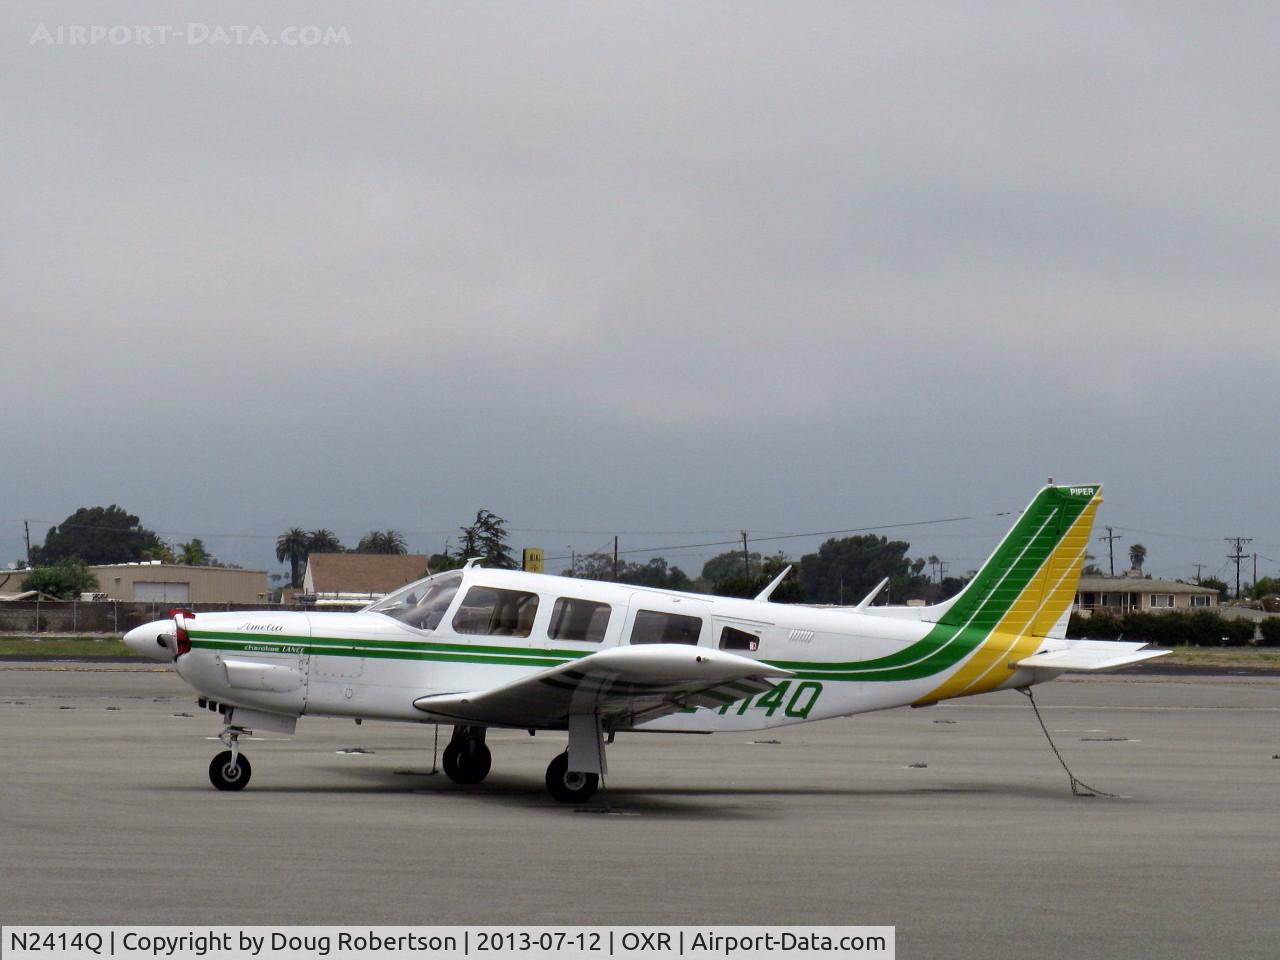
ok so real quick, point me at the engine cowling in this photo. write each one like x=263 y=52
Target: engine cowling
x=161 y=639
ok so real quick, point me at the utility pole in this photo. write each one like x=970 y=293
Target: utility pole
x=1198 y=566
x=26 y=526
x=615 y=558
x=1255 y=569
x=1111 y=552
x=1237 y=556
x=746 y=558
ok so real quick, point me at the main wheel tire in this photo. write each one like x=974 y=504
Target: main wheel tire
x=225 y=776
x=570 y=787
x=467 y=761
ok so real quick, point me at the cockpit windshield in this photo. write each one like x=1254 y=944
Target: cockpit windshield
x=421 y=604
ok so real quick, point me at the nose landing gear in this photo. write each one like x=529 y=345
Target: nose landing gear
x=230 y=770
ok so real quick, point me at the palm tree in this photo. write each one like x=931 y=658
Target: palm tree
x=1137 y=554
x=382 y=541
x=323 y=541
x=194 y=554
x=292 y=546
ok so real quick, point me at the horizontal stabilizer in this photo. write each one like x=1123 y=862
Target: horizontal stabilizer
x=622 y=685
x=1090 y=655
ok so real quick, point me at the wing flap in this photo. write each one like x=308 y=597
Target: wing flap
x=1091 y=655
x=623 y=685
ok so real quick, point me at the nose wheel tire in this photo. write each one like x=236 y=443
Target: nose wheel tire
x=570 y=787
x=228 y=775
x=466 y=761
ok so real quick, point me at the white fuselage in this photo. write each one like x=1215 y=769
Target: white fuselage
x=370 y=665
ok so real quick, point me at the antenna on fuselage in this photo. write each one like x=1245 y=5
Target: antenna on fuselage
x=767 y=592
x=866 y=601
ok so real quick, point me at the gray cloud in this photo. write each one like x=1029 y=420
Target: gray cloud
x=600 y=266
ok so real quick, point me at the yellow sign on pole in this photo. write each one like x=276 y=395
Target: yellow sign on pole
x=533 y=559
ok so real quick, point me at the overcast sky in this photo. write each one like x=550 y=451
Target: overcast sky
x=671 y=270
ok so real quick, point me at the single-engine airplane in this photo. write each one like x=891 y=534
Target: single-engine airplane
x=477 y=648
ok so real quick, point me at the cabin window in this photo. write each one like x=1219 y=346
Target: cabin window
x=490 y=612
x=573 y=619
x=654 y=627
x=734 y=639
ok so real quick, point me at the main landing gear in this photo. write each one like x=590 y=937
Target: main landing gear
x=230 y=770
x=572 y=777
x=570 y=786
x=466 y=758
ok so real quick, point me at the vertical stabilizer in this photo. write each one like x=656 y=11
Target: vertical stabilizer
x=1024 y=591
x=1038 y=558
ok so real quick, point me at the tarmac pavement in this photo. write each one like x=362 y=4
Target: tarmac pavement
x=955 y=823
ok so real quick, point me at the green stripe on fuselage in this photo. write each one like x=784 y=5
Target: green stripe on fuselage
x=382 y=649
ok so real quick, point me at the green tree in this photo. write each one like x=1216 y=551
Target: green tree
x=382 y=541
x=66 y=579
x=595 y=566
x=733 y=583
x=1215 y=584
x=790 y=589
x=487 y=538
x=845 y=570
x=1270 y=632
x=439 y=562
x=1099 y=626
x=1201 y=628
x=1264 y=586
x=98 y=535
x=729 y=567
x=655 y=573
x=291 y=548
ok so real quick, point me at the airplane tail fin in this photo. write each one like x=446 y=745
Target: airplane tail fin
x=1028 y=584
x=1021 y=596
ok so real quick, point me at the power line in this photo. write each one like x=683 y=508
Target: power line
x=795 y=536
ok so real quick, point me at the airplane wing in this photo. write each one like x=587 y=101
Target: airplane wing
x=1090 y=655
x=623 y=685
